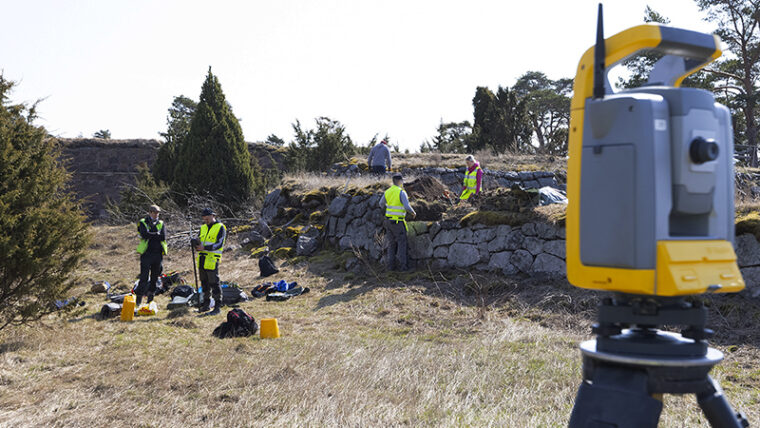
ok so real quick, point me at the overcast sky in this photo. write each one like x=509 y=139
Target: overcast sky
x=396 y=67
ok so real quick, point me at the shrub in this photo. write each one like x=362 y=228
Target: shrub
x=45 y=236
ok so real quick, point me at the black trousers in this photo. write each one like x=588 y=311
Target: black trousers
x=377 y=169
x=395 y=232
x=210 y=284
x=150 y=263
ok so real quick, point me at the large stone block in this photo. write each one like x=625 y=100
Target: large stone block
x=340 y=227
x=522 y=260
x=357 y=209
x=503 y=230
x=445 y=237
x=441 y=252
x=497 y=244
x=483 y=236
x=463 y=255
x=747 y=250
x=338 y=206
x=500 y=261
x=533 y=245
x=528 y=229
x=306 y=246
x=514 y=240
x=417 y=227
x=751 y=277
x=555 y=248
x=434 y=229
x=546 y=231
x=548 y=264
x=420 y=247
x=466 y=236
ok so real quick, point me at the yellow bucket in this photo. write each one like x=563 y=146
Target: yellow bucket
x=269 y=329
x=128 y=308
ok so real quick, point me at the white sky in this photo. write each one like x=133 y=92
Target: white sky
x=395 y=67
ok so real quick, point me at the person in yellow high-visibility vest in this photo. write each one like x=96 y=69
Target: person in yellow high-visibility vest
x=473 y=178
x=152 y=248
x=396 y=205
x=210 y=245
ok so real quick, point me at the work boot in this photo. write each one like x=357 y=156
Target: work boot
x=204 y=308
x=215 y=311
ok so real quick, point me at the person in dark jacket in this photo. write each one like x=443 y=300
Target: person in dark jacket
x=379 y=158
x=210 y=245
x=152 y=248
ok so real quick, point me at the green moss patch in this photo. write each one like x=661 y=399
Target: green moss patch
x=495 y=218
x=748 y=223
x=284 y=252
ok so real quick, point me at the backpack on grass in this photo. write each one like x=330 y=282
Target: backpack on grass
x=239 y=324
x=267 y=267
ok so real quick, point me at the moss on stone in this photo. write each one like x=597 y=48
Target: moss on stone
x=317 y=217
x=238 y=229
x=748 y=223
x=259 y=251
x=495 y=218
x=284 y=252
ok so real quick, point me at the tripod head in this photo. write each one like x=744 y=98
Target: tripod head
x=650 y=174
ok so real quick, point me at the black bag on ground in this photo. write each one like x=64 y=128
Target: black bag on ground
x=171 y=278
x=232 y=295
x=267 y=267
x=238 y=324
x=110 y=310
x=118 y=298
x=183 y=291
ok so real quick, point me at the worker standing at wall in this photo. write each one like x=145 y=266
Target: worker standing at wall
x=396 y=205
x=473 y=178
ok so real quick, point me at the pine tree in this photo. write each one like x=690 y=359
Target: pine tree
x=214 y=160
x=44 y=233
x=178 y=126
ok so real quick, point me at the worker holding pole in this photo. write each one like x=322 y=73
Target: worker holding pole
x=210 y=244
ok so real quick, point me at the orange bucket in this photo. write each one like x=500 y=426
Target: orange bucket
x=269 y=329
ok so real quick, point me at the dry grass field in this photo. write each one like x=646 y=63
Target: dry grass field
x=361 y=349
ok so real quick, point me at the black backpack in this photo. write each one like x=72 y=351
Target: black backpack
x=239 y=324
x=267 y=267
x=232 y=295
x=183 y=291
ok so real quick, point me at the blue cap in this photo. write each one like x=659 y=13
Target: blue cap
x=207 y=211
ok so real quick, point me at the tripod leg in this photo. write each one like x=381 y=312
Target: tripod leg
x=616 y=397
x=716 y=408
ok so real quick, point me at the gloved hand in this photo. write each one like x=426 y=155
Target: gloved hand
x=194 y=242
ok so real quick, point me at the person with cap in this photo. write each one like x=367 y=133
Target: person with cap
x=152 y=248
x=396 y=205
x=210 y=244
x=473 y=178
x=378 y=158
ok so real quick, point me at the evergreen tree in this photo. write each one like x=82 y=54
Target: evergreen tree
x=178 y=127
x=44 y=234
x=214 y=159
x=317 y=149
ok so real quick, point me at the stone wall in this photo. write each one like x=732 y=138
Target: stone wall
x=453 y=178
x=100 y=168
x=356 y=223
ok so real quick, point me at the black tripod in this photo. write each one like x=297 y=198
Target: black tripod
x=632 y=363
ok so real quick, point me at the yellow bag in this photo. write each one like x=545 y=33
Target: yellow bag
x=148 y=309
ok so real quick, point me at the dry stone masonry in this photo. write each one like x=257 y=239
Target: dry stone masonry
x=355 y=223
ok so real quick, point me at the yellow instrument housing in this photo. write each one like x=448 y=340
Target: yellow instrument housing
x=683 y=267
